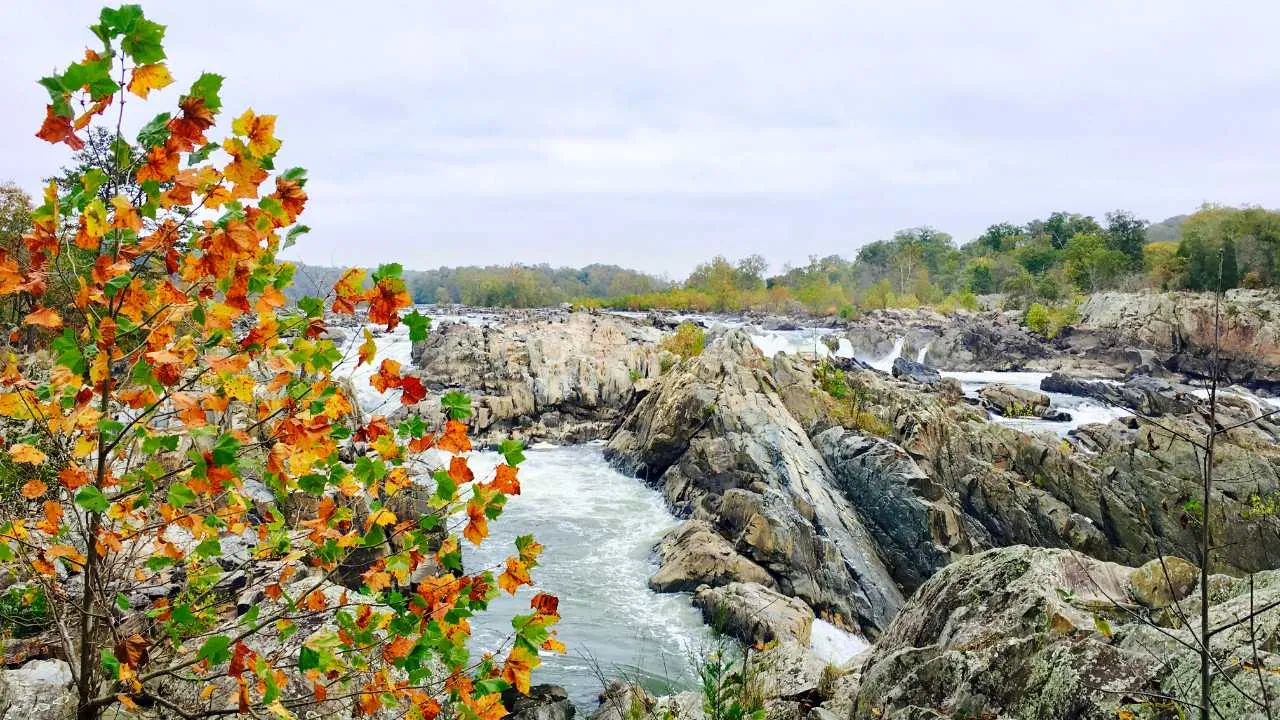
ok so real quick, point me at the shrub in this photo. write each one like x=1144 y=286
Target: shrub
x=1037 y=319
x=832 y=380
x=687 y=341
x=24 y=611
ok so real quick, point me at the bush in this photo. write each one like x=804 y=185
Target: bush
x=832 y=380
x=1037 y=319
x=687 y=341
x=24 y=611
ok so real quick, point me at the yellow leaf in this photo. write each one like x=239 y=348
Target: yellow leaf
x=382 y=517
x=368 y=349
x=24 y=453
x=239 y=387
x=149 y=77
x=18 y=405
x=44 y=317
x=34 y=488
x=95 y=218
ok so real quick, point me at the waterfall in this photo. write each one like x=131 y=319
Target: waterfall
x=885 y=364
x=922 y=353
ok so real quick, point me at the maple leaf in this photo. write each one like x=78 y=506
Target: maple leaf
x=386 y=299
x=505 y=480
x=516 y=574
x=126 y=216
x=24 y=453
x=489 y=707
x=454 y=439
x=73 y=477
x=387 y=377
x=44 y=317
x=188 y=128
x=149 y=77
x=546 y=604
x=412 y=391
x=260 y=129
x=348 y=291
x=132 y=651
x=34 y=488
x=52 y=517
x=519 y=666
x=162 y=162
x=553 y=645
x=477 y=528
x=459 y=470
x=57 y=128
x=367 y=349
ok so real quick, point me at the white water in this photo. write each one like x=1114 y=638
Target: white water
x=922 y=354
x=885 y=364
x=1083 y=410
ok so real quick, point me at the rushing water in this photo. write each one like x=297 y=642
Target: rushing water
x=1083 y=410
x=599 y=528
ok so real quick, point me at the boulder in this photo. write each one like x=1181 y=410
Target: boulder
x=623 y=701
x=543 y=702
x=1141 y=393
x=755 y=614
x=1163 y=581
x=694 y=554
x=39 y=689
x=1013 y=401
x=915 y=372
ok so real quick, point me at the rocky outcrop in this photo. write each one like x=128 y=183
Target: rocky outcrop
x=915 y=522
x=755 y=614
x=558 y=376
x=694 y=554
x=987 y=340
x=716 y=437
x=1140 y=393
x=39 y=689
x=1179 y=327
x=1043 y=633
x=1012 y=401
x=543 y=702
x=915 y=372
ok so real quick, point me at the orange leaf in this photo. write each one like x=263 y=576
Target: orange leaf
x=459 y=471
x=520 y=664
x=477 y=528
x=505 y=480
x=52 y=521
x=367 y=349
x=455 y=438
x=57 y=128
x=412 y=390
x=44 y=317
x=545 y=604
x=34 y=488
x=388 y=376
x=514 y=576
x=24 y=453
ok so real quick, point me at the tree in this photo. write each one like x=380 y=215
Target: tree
x=1127 y=234
x=1229 y=276
x=980 y=281
x=15 y=215
x=1090 y=263
x=1060 y=227
x=1000 y=237
x=173 y=380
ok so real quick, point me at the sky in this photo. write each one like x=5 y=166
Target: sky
x=657 y=134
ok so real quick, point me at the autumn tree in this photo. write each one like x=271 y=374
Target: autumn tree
x=215 y=527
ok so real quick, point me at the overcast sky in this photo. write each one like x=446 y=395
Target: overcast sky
x=656 y=134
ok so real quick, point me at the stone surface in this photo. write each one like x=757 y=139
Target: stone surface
x=39 y=689
x=1012 y=401
x=544 y=702
x=694 y=554
x=755 y=614
x=915 y=372
x=1160 y=582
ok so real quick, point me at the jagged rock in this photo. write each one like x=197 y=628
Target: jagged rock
x=1141 y=393
x=716 y=437
x=915 y=372
x=39 y=689
x=986 y=340
x=694 y=554
x=623 y=701
x=1025 y=632
x=913 y=519
x=544 y=702
x=563 y=377
x=1012 y=401
x=755 y=614
x=1163 y=581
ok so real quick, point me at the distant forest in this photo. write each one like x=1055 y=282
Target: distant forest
x=1052 y=260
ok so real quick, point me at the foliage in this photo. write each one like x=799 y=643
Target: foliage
x=1037 y=319
x=24 y=611
x=687 y=341
x=172 y=375
x=1048 y=322
x=728 y=691
x=832 y=380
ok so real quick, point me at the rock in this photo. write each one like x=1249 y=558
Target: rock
x=1163 y=581
x=1025 y=632
x=715 y=435
x=1012 y=401
x=39 y=689
x=623 y=701
x=913 y=519
x=915 y=372
x=755 y=614
x=560 y=376
x=986 y=340
x=694 y=554
x=544 y=702
x=788 y=670
x=1141 y=393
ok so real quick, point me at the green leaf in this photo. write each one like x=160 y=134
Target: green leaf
x=296 y=174
x=224 y=451
x=156 y=443
x=457 y=404
x=389 y=271
x=119 y=21
x=111 y=663
x=207 y=86
x=117 y=283
x=418 y=324
x=490 y=686
x=308 y=659
x=155 y=132
x=512 y=451
x=180 y=495
x=143 y=42
x=92 y=179
x=199 y=155
x=312 y=306
x=68 y=351
x=209 y=548
x=122 y=602
x=1102 y=625
x=91 y=498
x=291 y=237
x=446 y=488
x=216 y=650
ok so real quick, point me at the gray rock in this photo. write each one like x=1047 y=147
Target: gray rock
x=544 y=702
x=755 y=614
x=39 y=689
x=1013 y=401
x=915 y=372
x=694 y=554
